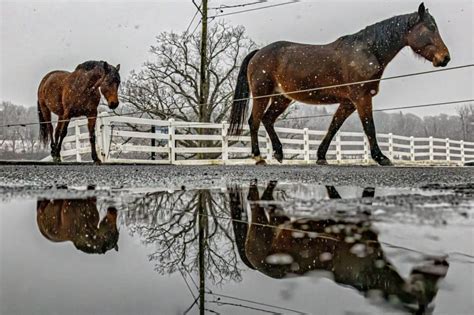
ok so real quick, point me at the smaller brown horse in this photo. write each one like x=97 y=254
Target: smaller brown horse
x=74 y=94
x=77 y=220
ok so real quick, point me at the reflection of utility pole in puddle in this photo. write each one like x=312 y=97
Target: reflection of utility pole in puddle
x=202 y=245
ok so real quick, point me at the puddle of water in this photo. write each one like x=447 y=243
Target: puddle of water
x=256 y=249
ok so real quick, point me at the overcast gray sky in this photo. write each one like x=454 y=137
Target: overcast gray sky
x=40 y=36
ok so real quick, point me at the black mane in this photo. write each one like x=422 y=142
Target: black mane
x=91 y=64
x=384 y=35
x=110 y=70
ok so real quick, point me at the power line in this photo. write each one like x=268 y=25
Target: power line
x=224 y=6
x=289 y=93
x=192 y=20
x=195 y=28
x=389 y=108
x=254 y=9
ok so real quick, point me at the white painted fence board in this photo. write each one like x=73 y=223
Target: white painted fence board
x=240 y=150
x=141 y=148
x=199 y=137
x=353 y=152
x=198 y=150
x=139 y=134
x=292 y=141
x=289 y=130
x=138 y=121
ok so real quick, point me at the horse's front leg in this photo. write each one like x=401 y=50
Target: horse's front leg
x=364 y=108
x=91 y=126
x=343 y=111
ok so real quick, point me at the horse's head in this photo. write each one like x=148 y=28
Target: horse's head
x=425 y=40
x=109 y=84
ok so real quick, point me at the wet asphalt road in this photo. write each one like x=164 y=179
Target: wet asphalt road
x=25 y=178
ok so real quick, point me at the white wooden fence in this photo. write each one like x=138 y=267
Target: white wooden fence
x=123 y=139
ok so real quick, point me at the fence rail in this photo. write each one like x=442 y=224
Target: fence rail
x=123 y=139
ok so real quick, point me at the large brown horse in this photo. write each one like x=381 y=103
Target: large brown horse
x=74 y=94
x=77 y=220
x=278 y=246
x=284 y=67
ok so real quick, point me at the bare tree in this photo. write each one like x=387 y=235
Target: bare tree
x=172 y=222
x=168 y=84
x=466 y=116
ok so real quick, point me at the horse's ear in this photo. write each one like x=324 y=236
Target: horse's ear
x=421 y=11
x=117 y=67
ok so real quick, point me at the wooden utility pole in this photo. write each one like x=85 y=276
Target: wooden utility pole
x=203 y=84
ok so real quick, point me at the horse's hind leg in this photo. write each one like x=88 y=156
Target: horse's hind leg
x=59 y=134
x=343 y=111
x=91 y=126
x=258 y=108
x=364 y=108
x=278 y=105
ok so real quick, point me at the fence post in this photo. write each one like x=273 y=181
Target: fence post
x=461 y=148
x=338 y=148
x=153 y=142
x=171 y=141
x=77 y=133
x=390 y=145
x=269 y=147
x=225 y=143
x=306 y=145
x=448 y=158
x=412 y=148
x=107 y=138
x=98 y=134
x=366 y=149
x=431 y=149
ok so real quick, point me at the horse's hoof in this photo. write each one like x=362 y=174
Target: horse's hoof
x=384 y=161
x=261 y=162
x=56 y=159
x=322 y=162
x=97 y=162
x=278 y=156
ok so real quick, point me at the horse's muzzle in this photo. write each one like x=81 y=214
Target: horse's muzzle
x=113 y=105
x=444 y=62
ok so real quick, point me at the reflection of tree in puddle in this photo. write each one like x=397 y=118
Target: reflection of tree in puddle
x=182 y=225
x=77 y=220
x=276 y=245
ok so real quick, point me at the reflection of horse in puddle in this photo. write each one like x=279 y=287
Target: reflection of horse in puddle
x=77 y=220
x=278 y=246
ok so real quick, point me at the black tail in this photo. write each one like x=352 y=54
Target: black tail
x=240 y=104
x=239 y=223
x=44 y=134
